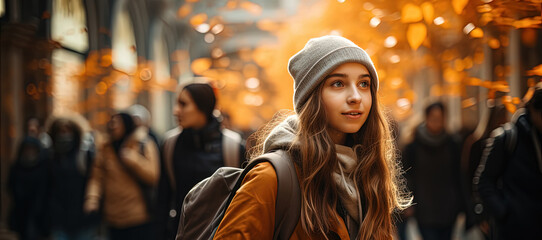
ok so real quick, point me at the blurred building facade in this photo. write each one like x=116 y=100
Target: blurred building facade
x=98 y=57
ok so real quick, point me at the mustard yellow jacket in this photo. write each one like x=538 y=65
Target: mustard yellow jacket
x=123 y=203
x=251 y=214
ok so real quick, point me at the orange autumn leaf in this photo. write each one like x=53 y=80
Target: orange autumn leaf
x=184 y=11
x=198 y=19
x=477 y=33
x=200 y=65
x=474 y=81
x=416 y=34
x=428 y=12
x=411 y=13
x=510 y=107
x=528 y=22
x=535 y=71
x=459 y=5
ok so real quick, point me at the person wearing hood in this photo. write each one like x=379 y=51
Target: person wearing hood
x=124 y=168
x=340 y=142
x=27 y=185
x=432 y=164
x=71 y=161
x=193 y=152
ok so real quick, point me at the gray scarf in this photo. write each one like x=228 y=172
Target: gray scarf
x=282 y=137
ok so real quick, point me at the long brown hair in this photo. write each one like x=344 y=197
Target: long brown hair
x=377 y=175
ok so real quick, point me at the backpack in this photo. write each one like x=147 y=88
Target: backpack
x=205 y=205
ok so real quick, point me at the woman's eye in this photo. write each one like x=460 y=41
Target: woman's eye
x=364 y=84
x=337 y=84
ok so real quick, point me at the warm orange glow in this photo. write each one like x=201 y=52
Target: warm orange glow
x=101 y=88
x=268 y=25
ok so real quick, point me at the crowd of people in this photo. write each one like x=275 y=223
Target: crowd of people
x=69 y=182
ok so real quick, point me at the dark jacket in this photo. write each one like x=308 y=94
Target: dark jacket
x=27 y=185
x=194 y=156
x=69 y=174
x=510 y=183
x=432 y=165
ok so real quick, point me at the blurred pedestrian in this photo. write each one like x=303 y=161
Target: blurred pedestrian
x=72 y=157
x=35 y=129
x=476 y=217
x=432 y=162
x=126 y=167
x=142 y=117
x=27 y=185
x=509 y=177
x=341 y=144
x=193 y=151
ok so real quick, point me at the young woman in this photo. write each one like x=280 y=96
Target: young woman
x=342 y=147
x=192 y=152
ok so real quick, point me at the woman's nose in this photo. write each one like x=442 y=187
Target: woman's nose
x=354 y=96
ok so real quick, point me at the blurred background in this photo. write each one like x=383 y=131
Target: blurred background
x=95 y=57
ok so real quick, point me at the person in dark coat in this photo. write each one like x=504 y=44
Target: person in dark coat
x=432 y=164
x=193 y=152
x=27 y=185
x=509 y=178
x=73 y=154
x=476 y=217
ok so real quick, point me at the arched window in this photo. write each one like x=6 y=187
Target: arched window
x=124 y=56
x=160 y=99
x=69 y=29
x=123 y=40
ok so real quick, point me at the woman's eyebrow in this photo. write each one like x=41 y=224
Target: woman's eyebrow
x=342 y=75
x=364 y=76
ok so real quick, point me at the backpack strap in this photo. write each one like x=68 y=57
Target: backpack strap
x=288 y=204
x=511 y=137
x=230 y=147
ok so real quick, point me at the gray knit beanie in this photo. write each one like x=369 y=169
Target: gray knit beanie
x=318 y=58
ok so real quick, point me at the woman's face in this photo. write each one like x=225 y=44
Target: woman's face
x=346 y=96
x=116 y=128
x=187 y=112
x=435 y=121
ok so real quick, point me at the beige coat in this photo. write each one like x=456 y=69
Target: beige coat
x=123 y=203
